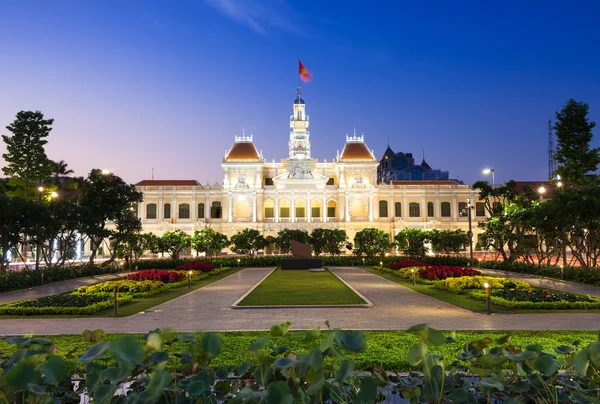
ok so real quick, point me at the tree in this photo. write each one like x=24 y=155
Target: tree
x=59 y=169
x=318 y=241
x=447 y=242
x=285 y=236
x=573 y=154
x=248 y=242
x=209 y=242
x=335 y=241
x=106 y=197
x=15 y=223
x=127 y=229
x=412 y=242
x=371 y=242
x=174 y=241
x=26 y=162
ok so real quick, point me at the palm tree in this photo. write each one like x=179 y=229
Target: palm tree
x=59 y=168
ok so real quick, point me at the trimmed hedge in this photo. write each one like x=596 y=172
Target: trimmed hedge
x=51 y=305
x=125 y=286
x=519 y=304
x=460 y=285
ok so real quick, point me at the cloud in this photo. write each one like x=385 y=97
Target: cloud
x=258 y=15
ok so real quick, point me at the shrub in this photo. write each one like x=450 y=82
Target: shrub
x=405 y=264
x=434 y=273
x=64 y=303
x=460 y=285
x=196 y=266
x=125 y=286
x=537 y=299
x=156 y=275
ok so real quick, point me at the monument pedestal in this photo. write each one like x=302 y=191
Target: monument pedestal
x=301 y=263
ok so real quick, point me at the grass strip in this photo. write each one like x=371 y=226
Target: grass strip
x=301 y=288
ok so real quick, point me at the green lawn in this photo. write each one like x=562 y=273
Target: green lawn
x=137 y=305
x=385 y=349
x=464 y=301
x=302 y=288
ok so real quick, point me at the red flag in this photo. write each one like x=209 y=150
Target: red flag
x=305 y=75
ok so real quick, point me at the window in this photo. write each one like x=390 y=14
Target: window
x=167 y=211
x=398 y=209
x=430 y=212
x=184 y=211
x=200 y=211
x=462 y=209
x=445 y=209
x=479 y=209
x=270 y=212
x=414 y=209
x=300 y=211
x=151 y=211
x=215 y=210
x=299 y=115
x=284 y=211
x=331 y=211
x=315 y=211
x=268 y=181
x=331 y=181
x=383 y=209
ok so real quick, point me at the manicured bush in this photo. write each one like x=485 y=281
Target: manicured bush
x=156 y=275
x=125 y=286
x=196 y=266
x=460 y=285
x=436 y=273
x=537 y=299
x=64 y=303
x=405 y=264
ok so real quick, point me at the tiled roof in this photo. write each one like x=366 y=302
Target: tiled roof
x=168 y=183
x=243 y=151
x=356 y=152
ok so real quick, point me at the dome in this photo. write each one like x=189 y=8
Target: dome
x=298 y=101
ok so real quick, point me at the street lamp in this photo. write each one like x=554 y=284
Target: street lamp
x=189 y=279
x=542 y=191
x=105 y=172
x=381 y=265
x=54 y=194
x=38 y=247
x=414 y=282
x=488 y=305
x=238 y=260
x=493 y=172
x=470 y=233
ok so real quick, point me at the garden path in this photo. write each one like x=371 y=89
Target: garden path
x=55 y=287
x=396 y=308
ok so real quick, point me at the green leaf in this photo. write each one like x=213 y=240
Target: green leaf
x=354 y=341
x=581 y=362
x=428 y=335
x=187 y=337
x=368 y=390
x=194 y=389
x=127 y=352
x=316 y=380
x=345 y=370
x=93 y=336
x=158 y=357
x=546 y=365
x=277 y=393
x=262 y=374
x=103 y=392
x=416 y=353
x=491 y=360
x=154 y=341
x=159 y=379
x=503 y=340
x=284 y=363
x=211 y=344
x=259 y=344
x=243 y=369
x=312 y=335
x=315 y=359
x=36 y=389
x=54 y=370
x=433 y=384
x=94 y=352
x=22 y=374
x=280 y=330
x=594 y=352
x=489 y=385
x=564 y=349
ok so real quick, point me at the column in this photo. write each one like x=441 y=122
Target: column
x=324 y=207
x=254 y=207
x=404 y=206
x=308 y=207
x=159 y=207
x=437 y=211
x=293 y=208
x=276 y=207
x=193 y=209
x=141 y=213
x=454 y=209
x=370 y=207
x=392 y=209
x=206 y=208
x=174 y=210
x=347 y=207
x=229 y=208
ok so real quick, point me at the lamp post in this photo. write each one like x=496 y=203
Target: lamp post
x=189 y=279
x=381 y=266
x=238 y=261
x=414 y=281
x=542 y=191
x=470 y=233
x=562 y=272
x=38 y=247
x=493 y=172
x=363 y=262
x=488 y=305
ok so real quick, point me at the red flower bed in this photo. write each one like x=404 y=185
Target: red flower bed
x=196 y=266
x=405 y=264
x=434 y=273
x=156 y=275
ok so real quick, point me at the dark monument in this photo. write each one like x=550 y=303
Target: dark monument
x=302 y=258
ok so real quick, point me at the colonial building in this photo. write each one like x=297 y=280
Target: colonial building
x=301 y=192
x=401 y=167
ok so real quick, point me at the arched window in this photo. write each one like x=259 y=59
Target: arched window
x=167 y=211
x=215 y=210
x=184 y=211
x=430 y=212
x=200 y=211
x=479 y=209
x=331 y=209
x=462 y=209
x=383 y=209
x=398 y=209
x=414 y=209
x=151 y=211
x=445 y=209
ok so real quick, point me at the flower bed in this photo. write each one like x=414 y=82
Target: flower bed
x=405 y=264
x=125 y=286
x=156 y=275
x=437 y=273
x=64 y=303
x=196 y=266
x=462 y=284
x=537 y=299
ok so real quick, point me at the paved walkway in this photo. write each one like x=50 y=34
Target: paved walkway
x=546 y=283
x=55 y=287
x=396 y=308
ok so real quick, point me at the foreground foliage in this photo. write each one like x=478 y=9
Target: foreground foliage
x=149 y=370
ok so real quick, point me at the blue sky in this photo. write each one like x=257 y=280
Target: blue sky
x=136 y=85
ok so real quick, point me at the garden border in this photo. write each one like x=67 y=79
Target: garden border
x=368 y=304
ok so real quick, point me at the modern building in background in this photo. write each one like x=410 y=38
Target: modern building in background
x=401 y=167
x=301 y=192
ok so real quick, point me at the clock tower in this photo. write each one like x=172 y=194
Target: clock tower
x=299 y=145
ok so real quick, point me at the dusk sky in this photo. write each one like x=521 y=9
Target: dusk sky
x=136 y=85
